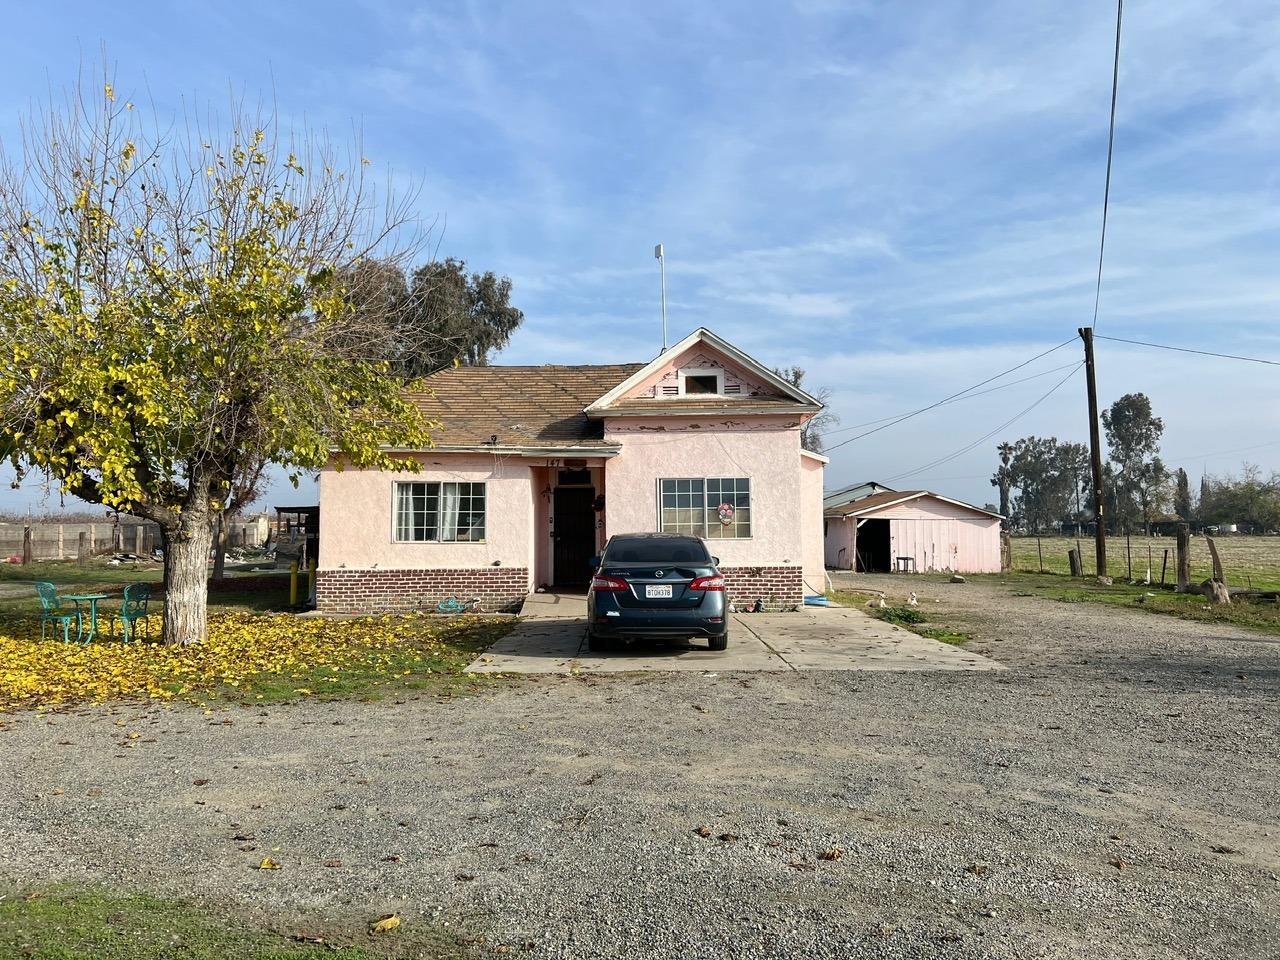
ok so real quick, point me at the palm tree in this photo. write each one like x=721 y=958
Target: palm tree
x=1004 y=479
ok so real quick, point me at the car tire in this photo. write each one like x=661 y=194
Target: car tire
x=720 y=643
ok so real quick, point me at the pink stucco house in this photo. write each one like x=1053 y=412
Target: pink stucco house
x=535 y=467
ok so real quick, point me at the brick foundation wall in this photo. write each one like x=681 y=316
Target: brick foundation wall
x=403 y=591
x=779 y=587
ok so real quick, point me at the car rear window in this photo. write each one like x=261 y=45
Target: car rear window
x=664 y=550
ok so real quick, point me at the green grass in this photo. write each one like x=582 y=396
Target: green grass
x=910 y=618
x=1263 y=615
x=18 y=598
x=1247 y=561
x=84 y=923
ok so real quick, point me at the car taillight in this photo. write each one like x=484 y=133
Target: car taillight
x=714 y=582
x=603 y=584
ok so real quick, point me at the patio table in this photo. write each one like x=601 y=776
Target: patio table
x=92 y=599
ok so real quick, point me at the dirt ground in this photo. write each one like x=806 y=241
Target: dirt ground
x=1112 y=793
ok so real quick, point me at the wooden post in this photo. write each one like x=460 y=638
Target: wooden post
x=82 y=547
x=1040 y=551
x=1218 y=574
x=27 y=555
x=1128 y=550
x=1077 y=566
x=1184 y=557
x=1006 y=550
x=1095 y=452
x=1164 y=565
x=1148 y=561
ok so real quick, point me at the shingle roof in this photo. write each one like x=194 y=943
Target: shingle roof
x=522 y=406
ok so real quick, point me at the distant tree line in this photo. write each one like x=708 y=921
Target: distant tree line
x=1046 y=485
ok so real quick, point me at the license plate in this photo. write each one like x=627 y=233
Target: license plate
x=657 y=591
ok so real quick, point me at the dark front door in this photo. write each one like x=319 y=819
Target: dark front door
x=574 y=536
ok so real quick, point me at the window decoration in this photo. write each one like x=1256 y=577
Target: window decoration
x=444 y=512
x=717 y=508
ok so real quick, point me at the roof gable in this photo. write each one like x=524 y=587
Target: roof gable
x=892 y=498
x=746 y=381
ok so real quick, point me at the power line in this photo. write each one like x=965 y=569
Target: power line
x=916 y=413
x=1223 y=453
x=987 y=436
x=1111 y=143
x=1203 y=353
x=967 y=396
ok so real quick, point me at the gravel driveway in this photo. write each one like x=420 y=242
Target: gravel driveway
x=1113 y=793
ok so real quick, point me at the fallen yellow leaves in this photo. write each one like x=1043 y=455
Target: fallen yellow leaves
x=240 y=648
x=385 y=924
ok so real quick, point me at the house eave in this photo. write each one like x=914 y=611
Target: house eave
x=506 y=450
x=602 y=413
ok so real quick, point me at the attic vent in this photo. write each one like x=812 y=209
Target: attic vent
x=670 y=391
x=733 y=388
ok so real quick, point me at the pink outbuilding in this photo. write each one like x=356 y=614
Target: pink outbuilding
x=874 y=529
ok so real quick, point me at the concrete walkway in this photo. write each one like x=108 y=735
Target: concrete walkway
x=551 y=638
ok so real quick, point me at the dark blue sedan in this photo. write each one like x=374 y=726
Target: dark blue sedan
x=656 y=586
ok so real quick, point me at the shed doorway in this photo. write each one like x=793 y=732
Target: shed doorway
x=872 y=547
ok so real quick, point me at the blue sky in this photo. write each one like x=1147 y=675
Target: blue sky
x=901 y=198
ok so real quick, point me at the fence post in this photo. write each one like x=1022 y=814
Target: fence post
x=82 y=547
x=293 y=583
x=1077 y=568
x=1218 y=573
x=1006 y=550
x=1184 y=557
x=26 y=546
x=62 y=552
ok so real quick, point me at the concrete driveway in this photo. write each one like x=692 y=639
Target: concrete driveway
x=551 y=638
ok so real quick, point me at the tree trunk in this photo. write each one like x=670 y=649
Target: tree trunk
x=186 y=565
x=220 y=546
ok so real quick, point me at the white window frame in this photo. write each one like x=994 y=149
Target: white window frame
x=717 y=372
x=395 y=508
x=706 y=507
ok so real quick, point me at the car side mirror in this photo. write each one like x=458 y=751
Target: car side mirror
x=715 y=561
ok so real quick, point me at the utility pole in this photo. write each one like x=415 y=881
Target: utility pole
x=662 y=266
x=1095 y=453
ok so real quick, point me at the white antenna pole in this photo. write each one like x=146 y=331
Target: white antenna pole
x=662 y=267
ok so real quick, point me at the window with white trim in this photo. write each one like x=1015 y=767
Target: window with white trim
x=717 y=508
x=444 y=512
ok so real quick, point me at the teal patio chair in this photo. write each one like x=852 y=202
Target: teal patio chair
x=134 y=610
x=52 y=611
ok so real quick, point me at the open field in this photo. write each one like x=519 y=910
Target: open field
x=1248 y=561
